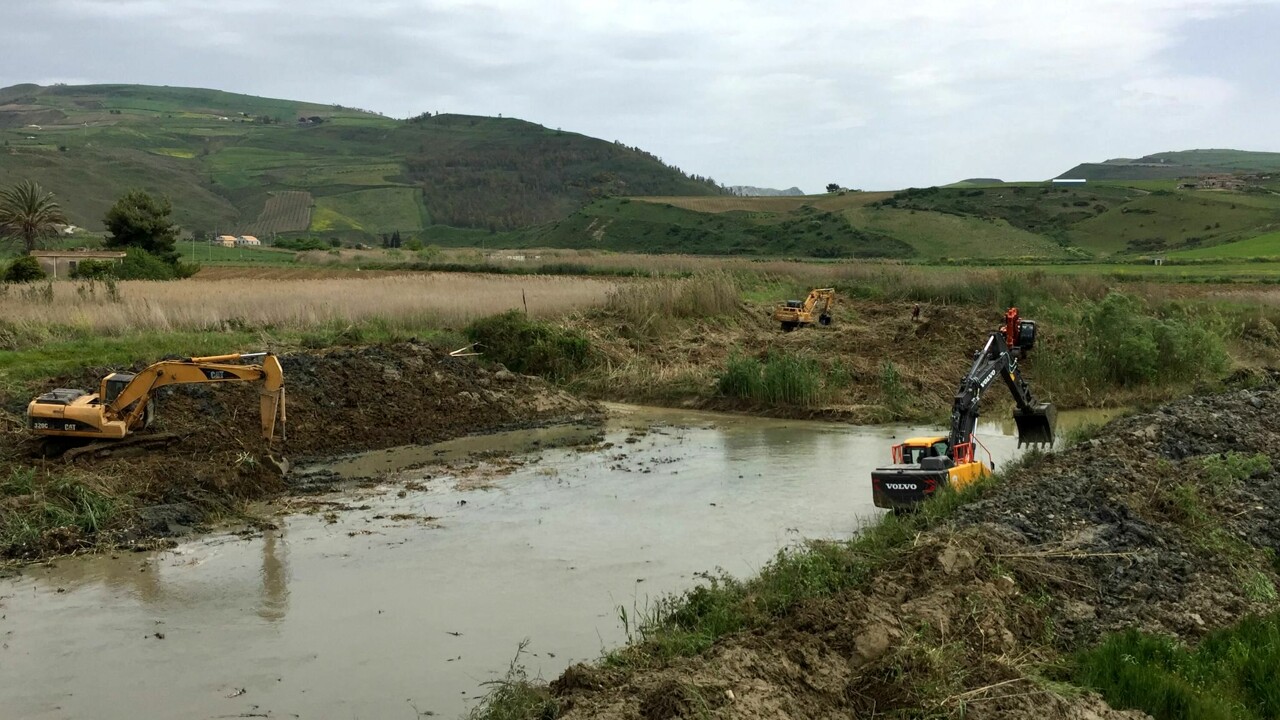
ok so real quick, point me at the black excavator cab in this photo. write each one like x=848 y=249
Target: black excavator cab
x=1035 y=424
x=1026 y=337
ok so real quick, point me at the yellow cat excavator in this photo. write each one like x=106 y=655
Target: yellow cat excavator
x=796 y=313
x=125 y=402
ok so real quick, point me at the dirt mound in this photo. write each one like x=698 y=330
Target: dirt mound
x=338 y=401
x=1167 y=522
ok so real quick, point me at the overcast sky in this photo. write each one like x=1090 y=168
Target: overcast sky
x=772 y=93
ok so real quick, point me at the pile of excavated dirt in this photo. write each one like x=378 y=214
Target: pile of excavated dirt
x=1146 y=526
x=338 y=401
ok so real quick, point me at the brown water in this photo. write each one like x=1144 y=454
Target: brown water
x=406 y=604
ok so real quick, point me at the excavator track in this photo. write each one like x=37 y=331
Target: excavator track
x=132 y=445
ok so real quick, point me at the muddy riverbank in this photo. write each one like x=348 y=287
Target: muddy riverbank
x=339 y=400
x=413 y=592
x=1166 y=522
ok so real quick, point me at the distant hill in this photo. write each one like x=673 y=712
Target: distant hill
x=978 y=221
x=1185 y=163
x=239 y=163
x=750 y=191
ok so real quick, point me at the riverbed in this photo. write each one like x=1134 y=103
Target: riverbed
x=405 y=597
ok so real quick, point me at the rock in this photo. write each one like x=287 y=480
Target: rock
x=504 y=375
x=955 y=560
x=872 y=643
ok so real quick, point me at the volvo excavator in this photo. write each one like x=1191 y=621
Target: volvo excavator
x=125 y=402
x=799 y=313
x=922 y=465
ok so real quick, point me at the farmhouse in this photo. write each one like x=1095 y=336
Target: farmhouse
x=248 y=240
x=60 y=263
x=224 y=240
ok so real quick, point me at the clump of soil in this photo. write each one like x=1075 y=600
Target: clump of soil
x=340 y=400
x=1166 y=521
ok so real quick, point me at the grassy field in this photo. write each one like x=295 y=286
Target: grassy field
x=938 y=235
x=1261 y=246
x=379 y=210
x=202 y=253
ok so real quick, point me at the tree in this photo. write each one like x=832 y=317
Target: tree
x=833 y=187
x=29 y=214
x=140 y=220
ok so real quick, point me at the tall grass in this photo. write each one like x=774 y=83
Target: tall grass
x=782 y=379
x=1234 y=674
x=35 y=505
x=412 y=301
x=648 y=304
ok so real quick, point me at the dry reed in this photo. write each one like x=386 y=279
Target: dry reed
x=411 y=301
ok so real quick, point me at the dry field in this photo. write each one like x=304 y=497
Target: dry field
x=411 y=301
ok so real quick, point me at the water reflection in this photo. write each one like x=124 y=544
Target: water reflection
x=275 y=577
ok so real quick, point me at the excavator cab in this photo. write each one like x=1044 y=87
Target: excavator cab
x=1035 y=424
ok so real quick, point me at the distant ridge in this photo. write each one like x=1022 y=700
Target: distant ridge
x=751 y=191
x=1182 y=163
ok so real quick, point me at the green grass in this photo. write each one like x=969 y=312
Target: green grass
x=39 y=503
x=1267 y=246
x=937 y=235
x=1165 y=222
x=1234 y=674
x=203 y=253
x=376 y=211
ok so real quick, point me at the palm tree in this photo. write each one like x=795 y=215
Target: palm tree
x=29 y=213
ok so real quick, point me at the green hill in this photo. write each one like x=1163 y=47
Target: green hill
x=1005 y=221
x=1184 y=163
x=239 y=163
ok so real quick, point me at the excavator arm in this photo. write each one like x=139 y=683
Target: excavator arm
x=131 y=401
x=996 y=359
x=123 y=402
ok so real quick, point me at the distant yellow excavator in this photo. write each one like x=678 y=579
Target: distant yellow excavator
x=125 y=402
x=796 y=313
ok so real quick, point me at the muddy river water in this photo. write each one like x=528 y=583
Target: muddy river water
x=403 y=599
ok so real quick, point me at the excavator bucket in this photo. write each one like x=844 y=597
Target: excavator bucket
x=1035 y=425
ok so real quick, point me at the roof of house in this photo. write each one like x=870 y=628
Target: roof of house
x=248 y=237
x=103 y=254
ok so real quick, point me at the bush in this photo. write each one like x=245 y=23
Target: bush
x=139 y=264
x=24 y=270
x=530 y=346
x=1130 y=346
x=94 y=270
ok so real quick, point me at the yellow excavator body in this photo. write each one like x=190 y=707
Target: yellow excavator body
x=124 y=402
x=796 y=313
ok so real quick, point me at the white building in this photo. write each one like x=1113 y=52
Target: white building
x=248 y=240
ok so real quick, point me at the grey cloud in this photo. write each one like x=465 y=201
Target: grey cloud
x=764 y=93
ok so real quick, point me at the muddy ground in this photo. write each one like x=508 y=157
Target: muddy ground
x=338 y=401
x=1147 y=526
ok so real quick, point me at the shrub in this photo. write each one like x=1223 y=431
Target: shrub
x=139 y=264
x=94 y=270
x=24 y=270
x=1130 y=346
x=530 y=346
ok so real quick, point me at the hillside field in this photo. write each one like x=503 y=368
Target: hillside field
x=225 y=159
